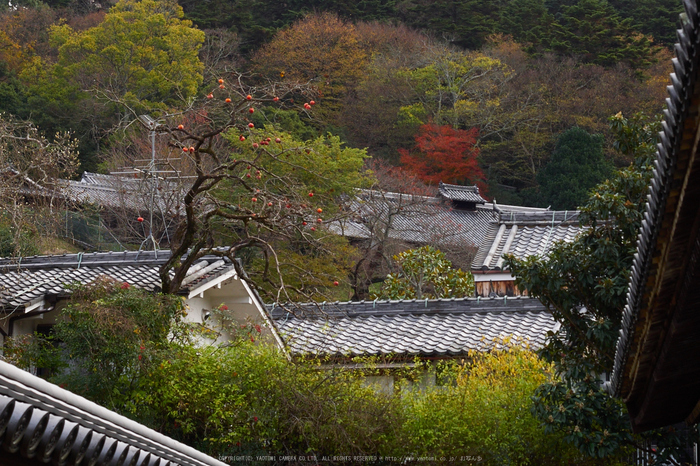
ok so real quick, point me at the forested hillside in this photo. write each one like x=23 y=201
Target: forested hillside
x=495 y=84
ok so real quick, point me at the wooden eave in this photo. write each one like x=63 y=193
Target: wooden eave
x=659 y=365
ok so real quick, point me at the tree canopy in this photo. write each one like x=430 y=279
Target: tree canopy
x=144 y=54
x=577 y=165
x=444 y=154
x=131 y=351
x=426 y=273
x=584 y=285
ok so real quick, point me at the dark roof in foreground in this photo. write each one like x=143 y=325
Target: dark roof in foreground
x=657 y=364
x=428 y=328
x=50 y=424
x=24 y=280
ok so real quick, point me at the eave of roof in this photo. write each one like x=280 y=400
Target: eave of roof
x=95 y=422
x=657 y=365
x=425 y=219
x=26 y=279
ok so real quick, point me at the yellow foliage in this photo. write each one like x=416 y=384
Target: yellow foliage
x=320 y=49
x=464 y=106
x=10 y=52
x=143 y=53
x=482 y=408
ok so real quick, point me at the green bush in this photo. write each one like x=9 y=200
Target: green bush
x=485 y=412
x=130 y=350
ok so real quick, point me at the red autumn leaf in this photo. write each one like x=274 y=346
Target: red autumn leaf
x=445 y=154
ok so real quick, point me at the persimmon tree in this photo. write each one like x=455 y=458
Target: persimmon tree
x=251 y=193
x=445 y=154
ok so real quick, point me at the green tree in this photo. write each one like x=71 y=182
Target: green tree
x=13 y=97
x=426 y=273
x=112 y=335
x=465 y=23
x=281 y=212
x=593 y=30
x=142 y=57
x=457 y=89
x=528 y=21
x=577 y=165
x=657 y=18
x=584 y=285
x=481 y=409
x=129 y=350
x=143 y=54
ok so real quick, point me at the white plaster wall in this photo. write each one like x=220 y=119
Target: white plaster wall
x=381 y=383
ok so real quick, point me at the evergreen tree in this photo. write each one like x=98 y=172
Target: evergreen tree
x=584 y=284
x=13 y=98
x=658 y=18
x=464 y=23
x=593 y=30
x=576 y=166
x=528 y=21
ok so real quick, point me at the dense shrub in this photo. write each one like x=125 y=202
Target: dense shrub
x=131 y=351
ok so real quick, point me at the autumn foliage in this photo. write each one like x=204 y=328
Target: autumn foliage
x=320 y=49
x=445 y=154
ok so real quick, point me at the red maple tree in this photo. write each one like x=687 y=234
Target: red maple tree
x=445 y=154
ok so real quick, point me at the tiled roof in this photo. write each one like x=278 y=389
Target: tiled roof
x=525 y=234
x=544 y=217
x=27 y=279
x=447 y=327
x=421 y=219
x=51 y=425
x=100 y=179
x=459 y=193
x=124 y=193
x=656 y=363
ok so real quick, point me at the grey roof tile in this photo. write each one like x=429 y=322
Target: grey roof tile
x=422 y=219
x=425 y=328
x=459 y=193
x=524 y=234
x=680 y=108
x=21 y=392
x=119 y=192
x=29 y=278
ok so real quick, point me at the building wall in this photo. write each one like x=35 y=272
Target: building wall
x=241 y=309
x=500 y=287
